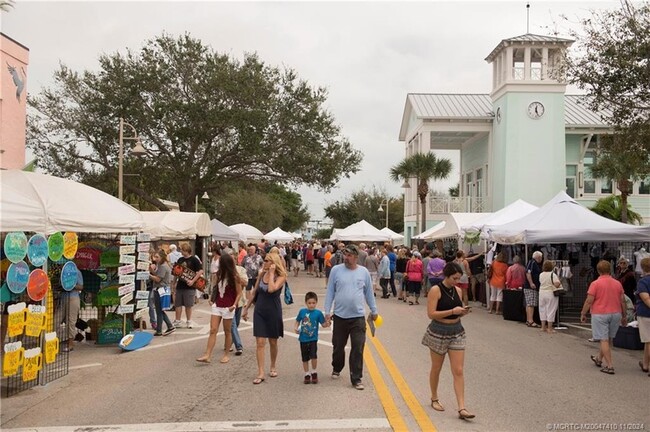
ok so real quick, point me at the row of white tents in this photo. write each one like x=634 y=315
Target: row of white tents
x=560 y=220
x=47 y=204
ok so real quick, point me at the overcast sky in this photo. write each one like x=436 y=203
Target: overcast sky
x=368 y=54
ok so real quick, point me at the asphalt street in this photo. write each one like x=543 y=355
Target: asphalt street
x=516 y=379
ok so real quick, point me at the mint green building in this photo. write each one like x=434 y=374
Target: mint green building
x=527 y=139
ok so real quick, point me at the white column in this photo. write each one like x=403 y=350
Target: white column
x=544 y=63
x=510 y=67
x=527 y=63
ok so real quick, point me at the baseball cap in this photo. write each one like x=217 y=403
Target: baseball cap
x=351 y=249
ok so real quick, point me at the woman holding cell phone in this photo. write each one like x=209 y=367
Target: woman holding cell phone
x=446 y=335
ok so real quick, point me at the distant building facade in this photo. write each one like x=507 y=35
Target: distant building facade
x=525 y=140
x=14 y=59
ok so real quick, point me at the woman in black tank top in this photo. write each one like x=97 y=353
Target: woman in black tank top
x=446 y=335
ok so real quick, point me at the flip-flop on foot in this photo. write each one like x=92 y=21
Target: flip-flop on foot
x=436 y=405
x=203 y=360
x=273 y=374
x=258 y=380
x=598 y=363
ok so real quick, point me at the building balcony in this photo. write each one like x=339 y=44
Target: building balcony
x=446 y=204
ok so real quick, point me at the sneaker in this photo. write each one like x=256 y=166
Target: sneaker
x=314 y=378
x=169 y=331
x=177 y=323
x=307 y=379
x=358 y=386
x=239 y=352
x=189 y=324
x=157 y=334
x=336 y=375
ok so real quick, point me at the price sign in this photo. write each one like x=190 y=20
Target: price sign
x=125 y=309
x=142 y=276
x=126 y=289
x=127 y=279
x=127 y=259
x=125 y=299
x=140 y=295
x=144 y=256
x=127 y=249
x=127 y=239
x=141 y=313
x=142 y=304
x=144 y=247
x=144 y=237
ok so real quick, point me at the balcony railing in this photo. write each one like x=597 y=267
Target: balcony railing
x=437 y=205
x=458 y=205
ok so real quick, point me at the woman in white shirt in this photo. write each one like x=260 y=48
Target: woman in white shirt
x=548 y=302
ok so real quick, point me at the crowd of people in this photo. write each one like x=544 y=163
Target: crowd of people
x=253 y=276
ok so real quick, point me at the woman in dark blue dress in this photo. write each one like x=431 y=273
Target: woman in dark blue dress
x=267 y=318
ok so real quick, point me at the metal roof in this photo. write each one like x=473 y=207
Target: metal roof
x=451 y=105
x=528 y=38
x=479 y=107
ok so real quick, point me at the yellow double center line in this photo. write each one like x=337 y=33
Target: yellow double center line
x=392 y=412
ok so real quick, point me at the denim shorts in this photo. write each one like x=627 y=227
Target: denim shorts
x=605 y=326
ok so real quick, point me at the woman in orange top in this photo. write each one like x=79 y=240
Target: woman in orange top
x=497 y=283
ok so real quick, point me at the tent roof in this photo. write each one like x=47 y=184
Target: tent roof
x=221 y=231
x=249 y=232
x=279 y=235
x=360 y=231
x=47 y=204
x=393 y=235
x=563 y=220
x=173 y=225
x=450 y=226
x=512 y=212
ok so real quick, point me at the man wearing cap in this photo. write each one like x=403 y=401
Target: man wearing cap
x=349 y=285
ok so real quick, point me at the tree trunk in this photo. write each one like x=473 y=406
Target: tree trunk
x=423 y=191
x=623 y=186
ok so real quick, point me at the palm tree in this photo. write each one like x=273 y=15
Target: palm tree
x=424 y=167
x=6 y=5
x=612 y=206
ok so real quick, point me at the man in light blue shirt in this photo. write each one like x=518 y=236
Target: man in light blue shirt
x=349 y=285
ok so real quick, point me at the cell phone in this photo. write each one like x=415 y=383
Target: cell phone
x=467 y=307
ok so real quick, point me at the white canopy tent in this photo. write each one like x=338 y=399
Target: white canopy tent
x=564 y=220
x=395 y=237
x=279 y=235
x=248 y=232
x=221 y=231
x=173 y=225
x=450 y=226
x=360 y=231
x=334 y=233
x=512 y=212
x=47 y=204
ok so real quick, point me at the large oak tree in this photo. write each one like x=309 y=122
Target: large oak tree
x=206 y=119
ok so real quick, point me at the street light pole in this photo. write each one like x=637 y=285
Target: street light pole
x=196 y=201
x=381 y=209
x=137 y=150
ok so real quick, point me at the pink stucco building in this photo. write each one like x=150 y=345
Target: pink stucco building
x=14 y=59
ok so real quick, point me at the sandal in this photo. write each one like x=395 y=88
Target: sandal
x=410 y=303
x=436 y=405
x=532 y=324
x=463 y=414
x=258 y=380
x=273 y=374
x=598 y=363
x=641 y=366
x=608 y=370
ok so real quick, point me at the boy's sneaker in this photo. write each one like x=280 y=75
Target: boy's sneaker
x=169 y=331
x=358 y=385
x=307 y=379
x=177 y=323
x=314 y=378
x=189 y=324
x=336 y=375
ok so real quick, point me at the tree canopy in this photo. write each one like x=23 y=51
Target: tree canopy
x=610 y=63
x=364 y=204
x=611 y=207
x=424 y=167
x=207 y=121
